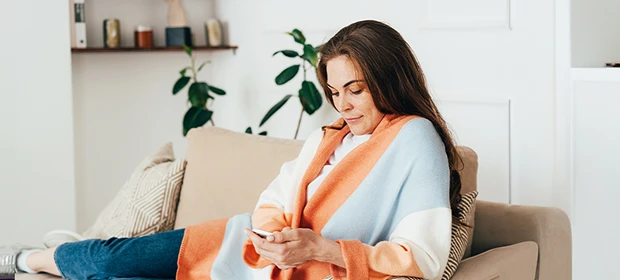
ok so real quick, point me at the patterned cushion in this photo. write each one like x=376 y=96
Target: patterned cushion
x=147 y=202
x=459 y=238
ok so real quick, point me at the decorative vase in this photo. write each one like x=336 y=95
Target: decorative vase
x=213 y=29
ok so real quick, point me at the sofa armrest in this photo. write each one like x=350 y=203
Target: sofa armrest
x=500 y=224
x=514 y=262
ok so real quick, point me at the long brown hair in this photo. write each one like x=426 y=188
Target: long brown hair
x=395 y=81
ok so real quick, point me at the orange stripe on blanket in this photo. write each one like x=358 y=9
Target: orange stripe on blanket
x=354 y=259
x=206 y=240
x=331 y=140
x=390 y=258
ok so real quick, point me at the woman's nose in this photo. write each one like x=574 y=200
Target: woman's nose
x=344 y=103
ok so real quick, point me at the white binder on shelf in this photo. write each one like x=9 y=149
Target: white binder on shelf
x=79 y=24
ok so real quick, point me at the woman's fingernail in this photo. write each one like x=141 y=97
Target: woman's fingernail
x=270 y=238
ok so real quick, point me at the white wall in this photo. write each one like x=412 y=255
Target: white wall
x=37 y=189
x=595 y=29
x=595 y=187
x=495 y=64
x=479 y=60
x=124 y=105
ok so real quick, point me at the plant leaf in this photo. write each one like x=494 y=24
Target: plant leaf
x=248 y=130
x=264 y=133
x=310 y=97
x=298 y=36
x=287 y=74
x=310 y=55
x=288 y=53
x=182 y=72
x=195 y=117
x=201 y=65
x=217 y=91
x=180 y=84
x=198 y=94
x=188 y=50
x=274 y=109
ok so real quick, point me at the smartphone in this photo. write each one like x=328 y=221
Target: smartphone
x=262 y=233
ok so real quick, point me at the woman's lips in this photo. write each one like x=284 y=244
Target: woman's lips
x=350 y=120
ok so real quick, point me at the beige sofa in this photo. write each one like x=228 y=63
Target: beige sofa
x=226 y=172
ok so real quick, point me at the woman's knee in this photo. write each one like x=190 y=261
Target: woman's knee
x=106 y=255
x=85 y=259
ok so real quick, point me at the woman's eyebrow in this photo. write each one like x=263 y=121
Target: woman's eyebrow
x=347 y=84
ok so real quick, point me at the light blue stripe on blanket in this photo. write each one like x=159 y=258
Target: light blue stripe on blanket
x=412 y=175
x=229 y=263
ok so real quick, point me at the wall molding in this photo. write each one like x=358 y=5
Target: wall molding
x=433 y=20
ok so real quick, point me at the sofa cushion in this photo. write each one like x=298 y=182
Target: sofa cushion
x=227 y=171
x=147 y=202
x=514 y=262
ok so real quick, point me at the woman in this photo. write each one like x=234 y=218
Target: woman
x=370 y=196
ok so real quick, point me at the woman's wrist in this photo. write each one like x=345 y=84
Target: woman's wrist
x=329 y=251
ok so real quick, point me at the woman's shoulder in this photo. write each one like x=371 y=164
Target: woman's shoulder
x=423 y=133
x=420 y=126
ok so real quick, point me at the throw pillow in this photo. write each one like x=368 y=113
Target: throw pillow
x=147 y=203
x=459 y=238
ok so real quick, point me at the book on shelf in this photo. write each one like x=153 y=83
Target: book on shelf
x=79 y=24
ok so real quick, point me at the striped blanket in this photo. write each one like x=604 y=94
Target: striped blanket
x=386 y=203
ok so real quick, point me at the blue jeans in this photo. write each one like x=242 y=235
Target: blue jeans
x=149 y=257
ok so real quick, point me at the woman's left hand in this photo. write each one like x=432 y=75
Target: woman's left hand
x=289 y=248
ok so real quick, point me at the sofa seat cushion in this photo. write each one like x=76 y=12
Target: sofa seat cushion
x=514 y=262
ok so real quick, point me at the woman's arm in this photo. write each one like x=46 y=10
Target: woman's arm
x=330 y=252
x=421 y=252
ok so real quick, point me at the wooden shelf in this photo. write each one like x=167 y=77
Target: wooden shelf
x=155 y=49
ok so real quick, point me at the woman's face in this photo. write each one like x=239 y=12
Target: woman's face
x=351 y=96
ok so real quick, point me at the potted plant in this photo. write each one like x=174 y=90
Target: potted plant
x=309 y=95
x=198 y=95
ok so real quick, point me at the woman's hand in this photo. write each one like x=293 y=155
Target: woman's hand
x=291 y=248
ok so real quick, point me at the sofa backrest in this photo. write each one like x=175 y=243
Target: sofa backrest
x=227 y=171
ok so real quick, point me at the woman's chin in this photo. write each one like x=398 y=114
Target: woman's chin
x=357 y=131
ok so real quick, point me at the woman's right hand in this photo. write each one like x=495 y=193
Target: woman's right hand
x=287 y=248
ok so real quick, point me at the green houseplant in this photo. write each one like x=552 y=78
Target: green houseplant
x=309 y=95
x=198 y=94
